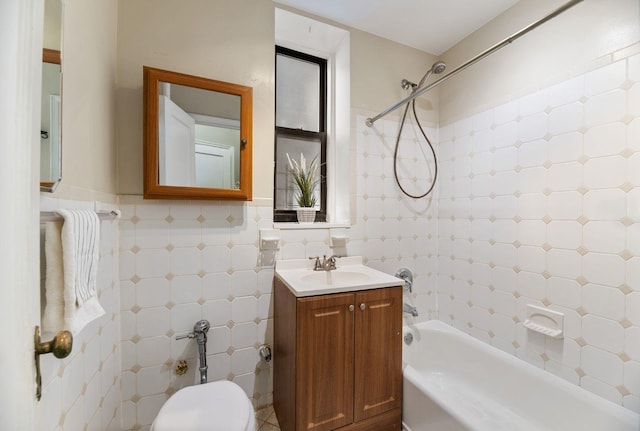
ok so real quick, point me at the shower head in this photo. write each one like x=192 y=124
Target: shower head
x=438 y=67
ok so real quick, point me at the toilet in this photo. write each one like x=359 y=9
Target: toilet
x=215 y=406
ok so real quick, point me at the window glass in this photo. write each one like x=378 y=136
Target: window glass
x=300 y=129
x=296 y=147
x=297 y=93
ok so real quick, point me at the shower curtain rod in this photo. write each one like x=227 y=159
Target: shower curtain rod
x=418 y=92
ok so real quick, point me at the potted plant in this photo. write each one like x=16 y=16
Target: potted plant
x=306 y=179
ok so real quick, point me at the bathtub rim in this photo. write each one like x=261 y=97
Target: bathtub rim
x=622 y=413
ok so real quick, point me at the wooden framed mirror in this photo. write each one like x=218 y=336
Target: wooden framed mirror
x=197 y=137
x=51 y=97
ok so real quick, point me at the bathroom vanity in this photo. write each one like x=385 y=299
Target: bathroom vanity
x=337 y=347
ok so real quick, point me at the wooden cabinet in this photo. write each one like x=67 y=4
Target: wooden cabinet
x=338 y=360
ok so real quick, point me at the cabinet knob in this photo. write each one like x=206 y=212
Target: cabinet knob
x=362 y=306
x=351 y=307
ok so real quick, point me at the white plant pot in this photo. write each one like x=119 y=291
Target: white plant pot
x=306 y=215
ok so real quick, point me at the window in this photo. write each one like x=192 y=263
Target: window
x=301 y=123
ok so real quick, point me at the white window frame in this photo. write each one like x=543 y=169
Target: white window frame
x=332 y=43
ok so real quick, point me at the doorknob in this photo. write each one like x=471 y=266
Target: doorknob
x=60 y=346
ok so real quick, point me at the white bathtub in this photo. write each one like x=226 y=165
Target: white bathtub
x=454 y=382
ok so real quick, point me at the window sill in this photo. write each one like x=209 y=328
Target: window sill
x=296 y=225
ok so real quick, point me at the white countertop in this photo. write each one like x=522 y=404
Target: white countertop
x=350 y=275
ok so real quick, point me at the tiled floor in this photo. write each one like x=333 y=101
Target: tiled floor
x=266 y=420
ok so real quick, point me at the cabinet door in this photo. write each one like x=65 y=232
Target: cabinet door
x=378 y=352
x=324 y=390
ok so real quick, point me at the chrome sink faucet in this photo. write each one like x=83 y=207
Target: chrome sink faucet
x=327 y=263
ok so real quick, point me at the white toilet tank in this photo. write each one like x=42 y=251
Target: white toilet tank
x=215 y=406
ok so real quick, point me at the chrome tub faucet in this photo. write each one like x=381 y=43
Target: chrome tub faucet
x=406 y=308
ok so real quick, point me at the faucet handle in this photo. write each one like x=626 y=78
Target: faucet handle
x=317 y=266
x=331 y=262
x=188 y=335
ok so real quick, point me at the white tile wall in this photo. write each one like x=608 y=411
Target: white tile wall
x=82 y=391
x=180 y=262
x=538 y=204
x=183 y=262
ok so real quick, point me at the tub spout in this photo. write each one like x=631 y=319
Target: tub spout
x=410 y=309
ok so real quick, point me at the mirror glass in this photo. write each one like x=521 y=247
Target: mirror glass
x=197 y=137
x=51 y=102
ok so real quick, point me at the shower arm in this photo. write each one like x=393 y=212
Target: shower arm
x=421 y=90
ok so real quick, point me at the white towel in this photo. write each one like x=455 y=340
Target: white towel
x=80 y=245
x=53 y=317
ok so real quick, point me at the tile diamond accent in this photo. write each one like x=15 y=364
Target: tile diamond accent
x=623 y=391
x=583 y=190
x=583 y=220
x=627 y=221
x=626 y=187
x=582 y=250
x=625 y=254
x=625 y=323
x=624 y=357
x=626 y=153
x=626 y=289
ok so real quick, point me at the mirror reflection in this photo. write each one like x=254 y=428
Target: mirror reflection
x=198 y=137
x=197 y=142
x=51 y=103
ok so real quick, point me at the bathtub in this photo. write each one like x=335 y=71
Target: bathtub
x=454 y=382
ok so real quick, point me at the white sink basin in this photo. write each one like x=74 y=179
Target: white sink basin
x=335 y=277
x=350 y=275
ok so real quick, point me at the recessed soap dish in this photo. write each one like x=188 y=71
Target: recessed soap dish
x=545 y=321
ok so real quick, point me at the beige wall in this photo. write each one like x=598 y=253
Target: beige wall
x=88 y=100
x=227 y=40
x=52 y=34
x=233 y=41
x=378 y=66
x=553 y=51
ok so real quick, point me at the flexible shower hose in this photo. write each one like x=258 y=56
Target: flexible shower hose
x=395 y=152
